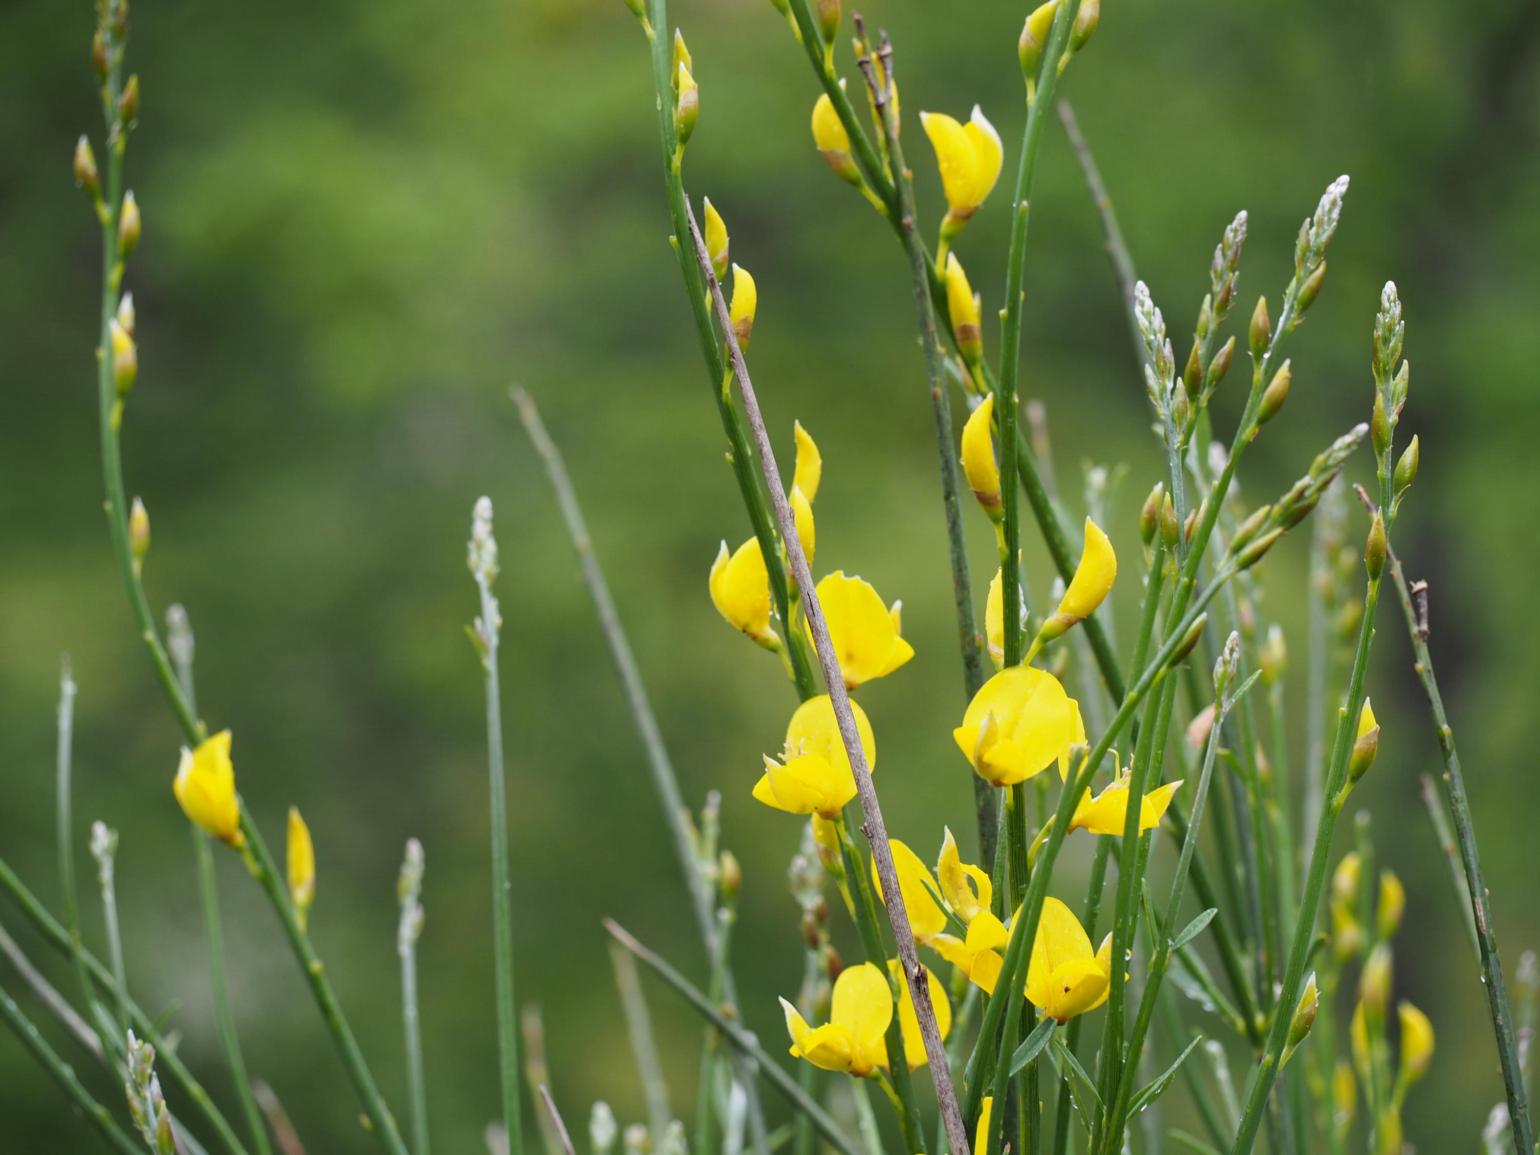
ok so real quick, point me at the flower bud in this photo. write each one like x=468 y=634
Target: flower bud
x=832 y=141
x=1257 y=550
x=963 y=309
x=1308 y=292
x=129 y=225
x=1276 y=393
x=1406 y=468
x=301 y=863
x=829 y=19
x=716 y=239
x=978 y=458
x=1034 y=36
x=1391 y=906
x=744 y=307
x=1375 y=548
x=1201 y=726
x=1249 y=528
x=1261 y=331
x=1416 y=1043
x=1219 y=366
x=128 y=102
x=1170 y=530
x=1366 y=745
x=602 y=1128
x=1304 y=1013
x=1189 y=639
x=1273 y=659
x=1379 y=427
x=86 y=175
x=1149 y=514
x=99 y=54
x=686 y=104
x=138 y=532
x=1345 y=879
x=125 y=358
x=729 y=875
x=205 y=789
x=1374 y=983
x=1087 y=17
x=126 y=314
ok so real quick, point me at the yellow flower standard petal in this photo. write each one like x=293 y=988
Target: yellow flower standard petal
x=963 y=307
x=205 y=789
x=809 y=471
x=301 y=861
x=909 y=1019
x=978 y=954
x=1065 y=977
x=1107 y=811
x=814 y=775
x=1019 y=723
x=967 y=901
x=740 y=590
x=864 y=632
x=978 y=457
x=969 y=157
x=1093 y=579
x=745 y=305
x=918 y=888
x=852 y=1040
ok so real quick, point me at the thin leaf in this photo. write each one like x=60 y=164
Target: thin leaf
x=1194 y=928
x=1088 y=1102
x=1193 y=1143
x=1032 y=1046
x=1157 y=1087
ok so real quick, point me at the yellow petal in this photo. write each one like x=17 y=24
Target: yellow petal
x=1153 y=806
x=813 y=729
x=981 y=1132
x=962 y=305
x=1416 y=1043
x=740 y=590
x=301 y=863
x=1034 y=719
x=994 y=619
x=863 y=631
x=966 y=901
x=926 y=918
x=978 y=455
x=909 y=1019
x=1366 y=719
x=988 y=154
x=802 y=517
x=806 y=784
x=809 y=470
x=205 y=788
x=745 y=304
x=968 y=157
x=863 y=1007
x=827 y=1047
x=828 y=132
x=1075 y=988
x=1060 y=940
x=1093 y=578
x=716 y=239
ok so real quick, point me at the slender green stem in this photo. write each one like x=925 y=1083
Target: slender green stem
x=1446 y=841
x=408 y=931
x=63 y=1074
x=104 y=847
x=741 y=1039
x=1452 y=781
x=66 y=832
x=644 y=1047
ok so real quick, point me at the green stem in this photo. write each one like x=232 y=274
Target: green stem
x=66 y=833
x=63 y=1074
x=644 y=1047
x=408 y=930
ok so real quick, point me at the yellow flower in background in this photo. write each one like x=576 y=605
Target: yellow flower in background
x=717 y=242
x=809 y=470
x=1093 y=580
x=909 y=1019
x=978 y=457
x=963 y=307
x=853 y=1038
x=205 y=789
x=969 y=157
x=814 y=775
x=745 y=304
x=832 y=140
x=740 y=590
x=802 y=518
x=918 y=888
x=1106 y=813
x=1416 y=1044
x=1391 y=905
x=864 y=632
x=977 y=955
x=301 y=856
x=1065 y=977
x=1019 y=723
x=967 y=901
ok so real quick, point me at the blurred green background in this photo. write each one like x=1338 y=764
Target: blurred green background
x=364 y=221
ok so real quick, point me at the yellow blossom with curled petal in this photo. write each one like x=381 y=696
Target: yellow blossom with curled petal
x=853 y=1039
x=1416 y=1044
x=918 y=888
x=967 y=901
x=802 y=518
x=865 y=633
x=977 y=955
x=978 y=457
x=909 y=1019
x=301 y=862
x=809 y=470
x=814 y=775
x=740 y=590
x=745 y=305
x=969 y=157
x=1019 y=723
x=1107 y=811
x=205 y=789
x=1065 y=976
x=832 y=140
x=963 y=307
x=1093 y=580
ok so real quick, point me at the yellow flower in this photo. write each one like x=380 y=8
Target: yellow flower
x=814 y=775
x=865 y=633
x=981 y=1132
x=205 y=789
x=832 y=140
x=1366 y=743
x=978 y=457
x=809 y=471
x=852 y=1039
x=994 y=619
x=967 y=902
x=969 y=157
x=977 y=955
x=1106 y=813
x=1392 y=905
x=740 y=590
x=1416 y=1044
x=1019 y=723
x=909 y=1019
x=963 y=306
x=744 y=305
x=717 y=241
x=918 y=888
x=1065 y=977
x=301 y=865
x=1093 y=579
x=802 y=518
